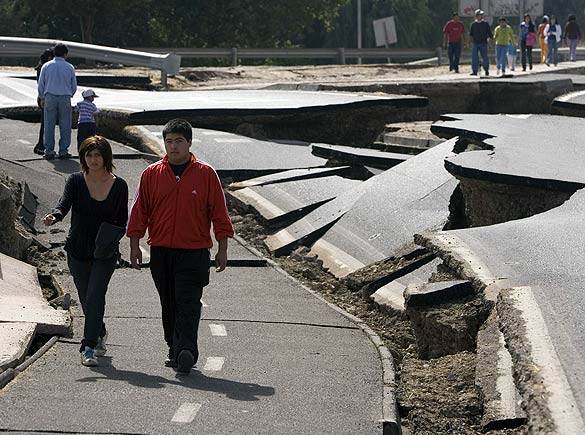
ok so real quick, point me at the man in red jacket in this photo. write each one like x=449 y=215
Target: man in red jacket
x=178 y=199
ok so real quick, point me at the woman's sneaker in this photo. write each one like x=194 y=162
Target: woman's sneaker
x=100 y=348
x=88 y=357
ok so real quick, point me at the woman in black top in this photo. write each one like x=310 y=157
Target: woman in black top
x=95 y=196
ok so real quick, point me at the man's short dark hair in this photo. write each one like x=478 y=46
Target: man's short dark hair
x=455 y=14
x=178 y=126
x=60 y=50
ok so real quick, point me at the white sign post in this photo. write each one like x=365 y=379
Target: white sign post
x=385 y=32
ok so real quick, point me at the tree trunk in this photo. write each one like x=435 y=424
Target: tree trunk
x=87 y=25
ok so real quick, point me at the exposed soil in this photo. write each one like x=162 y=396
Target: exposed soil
x=435 y=396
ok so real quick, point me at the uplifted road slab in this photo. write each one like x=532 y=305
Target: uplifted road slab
x=312 y=116
x=539 y=151
x=241 y=157
x=539 y=259
x=359 y=156
x=291 y=175
x=21 y=298
x=571 y=104
x=283 y=202
x=377 y=217
x=395 y=205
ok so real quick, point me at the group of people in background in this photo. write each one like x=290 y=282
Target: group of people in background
x=57 y=84
x=548 y=35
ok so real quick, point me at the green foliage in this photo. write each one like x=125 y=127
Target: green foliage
x=235 y=23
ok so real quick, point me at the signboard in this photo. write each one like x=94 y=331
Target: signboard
x=467 y=7
x=385 y=32
x=506 y=8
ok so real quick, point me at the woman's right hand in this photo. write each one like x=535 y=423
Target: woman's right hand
x=49 y=220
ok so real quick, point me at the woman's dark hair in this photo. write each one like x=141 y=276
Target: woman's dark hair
x=572 y=17
x=529 y=17
x=178 y=126
x=100 y=144
x=45 y=56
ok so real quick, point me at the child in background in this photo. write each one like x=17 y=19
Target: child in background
x=512 y=54
x=504 y=37
x=86 y=126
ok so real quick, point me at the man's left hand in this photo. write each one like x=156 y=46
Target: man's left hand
x=220 y=260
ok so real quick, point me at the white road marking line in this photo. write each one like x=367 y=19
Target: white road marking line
x=186 y=412
x=236 y=140
x=26 y=142
x=218 y=330
x=214 y=363
x=214 y=133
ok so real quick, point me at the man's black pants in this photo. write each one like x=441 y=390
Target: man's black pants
x=179 y=276
x=91 y=278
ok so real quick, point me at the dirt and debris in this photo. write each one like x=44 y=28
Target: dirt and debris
x=435 y=396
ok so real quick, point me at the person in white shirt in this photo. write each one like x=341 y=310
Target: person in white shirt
x=553 y=34
x=56 y=85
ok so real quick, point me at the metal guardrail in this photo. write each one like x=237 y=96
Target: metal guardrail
x=338 y=54
x=168 y=64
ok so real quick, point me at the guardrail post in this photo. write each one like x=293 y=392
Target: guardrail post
x=439 y=55
x=163 y=79
x=341 y=55
x=234 y=56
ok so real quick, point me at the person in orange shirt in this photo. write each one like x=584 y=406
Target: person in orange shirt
x=542 y=40
x=177 y=200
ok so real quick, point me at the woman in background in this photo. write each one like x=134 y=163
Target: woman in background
x=527 y=40
x=542 y=40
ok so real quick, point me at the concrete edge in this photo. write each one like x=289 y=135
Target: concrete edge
x=9 y=374
x=533 y=350
x=25 y=345
x=143 y=140
x=390 y=416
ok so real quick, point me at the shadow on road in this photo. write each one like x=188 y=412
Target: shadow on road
x=243 y=391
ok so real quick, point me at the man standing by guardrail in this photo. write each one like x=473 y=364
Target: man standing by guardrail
x=57 y=84
x=454 y=31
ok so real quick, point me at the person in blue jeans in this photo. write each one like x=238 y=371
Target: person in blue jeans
x=56 y=85
x=480 y=33
x=553 y=33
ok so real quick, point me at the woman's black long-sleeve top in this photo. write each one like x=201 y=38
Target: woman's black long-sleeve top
x=87 y=214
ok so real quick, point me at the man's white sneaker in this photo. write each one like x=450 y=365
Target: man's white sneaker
x=88 y=357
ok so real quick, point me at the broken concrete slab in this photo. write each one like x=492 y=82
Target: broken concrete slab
x=22 y=301
x=359 y=156
x=435 y=293
x=542 y=253
x=240 y=157
x=284 y=202
x=516 y=172
x=292 y=175
x=570 y=104
x=415 y=194
x=15 y=339
x=502 y=403
x=391 y=295
x=385 y=212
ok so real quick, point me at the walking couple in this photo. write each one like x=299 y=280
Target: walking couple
x=177 y=201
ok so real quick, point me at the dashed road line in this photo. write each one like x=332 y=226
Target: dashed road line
x=218 y=330
x=214 y=364
x=26 y=142
x=186 y=413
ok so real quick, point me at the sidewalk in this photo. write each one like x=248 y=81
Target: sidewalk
x=287 y=364
x=274 y=359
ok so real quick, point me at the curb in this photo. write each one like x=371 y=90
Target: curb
x=390 y=416
x=9 y=374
